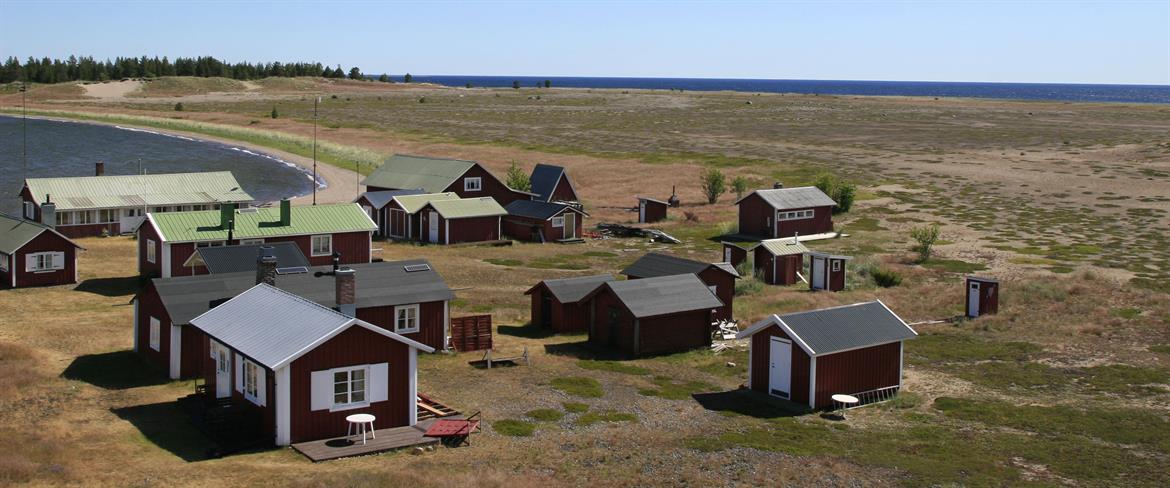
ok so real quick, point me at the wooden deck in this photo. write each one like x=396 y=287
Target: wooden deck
x=386 y=440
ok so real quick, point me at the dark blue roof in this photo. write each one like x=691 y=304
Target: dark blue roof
x=544 y=180
x=534 y=209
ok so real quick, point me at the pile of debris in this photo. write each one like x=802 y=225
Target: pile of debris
x=619 y=230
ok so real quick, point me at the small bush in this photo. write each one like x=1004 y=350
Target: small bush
x=274 y=114
x=886 y=278
x=575 y=407
x=607 y=416
x=179 y=107
x=713 y=184
x=578 y=386
x=748 y=286
x=514 y=428
x=546 y=414
x=925 y=236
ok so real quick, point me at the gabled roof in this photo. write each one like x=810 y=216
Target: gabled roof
x=786 y=246
x=404 y=171
x=90 y=192
x=572 y=290
x=413 y=203
x=658 y=264
x=655 y=200
x=538 y=210
x=463 y=208
x=274 y=327
x=800 y=197
x=379 y=199
x=241 y=258
x=16 y=232
x=376 y=285
x=662 y=295
x=262 y=222
x=544 y=180
x=837 y=329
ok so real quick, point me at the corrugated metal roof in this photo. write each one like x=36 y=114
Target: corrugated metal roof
x=91 y=192
x=404 y=171
x=468 y=207
x=239 y=258
x=662 y=295
x=658 y=264
x=800 y=197
x=413 y=203
x=262 y=222
x=16 y=232
x=544 y=180
x=379 y=199
x=376 y=285
x=783 y=247
x=837 y=329
x=533 y=209
x=572 y=290
x=655 y=200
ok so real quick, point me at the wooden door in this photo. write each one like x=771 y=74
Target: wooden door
x=570 y=229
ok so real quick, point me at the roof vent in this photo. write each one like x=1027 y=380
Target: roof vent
x=413 y=268
x=292 y=270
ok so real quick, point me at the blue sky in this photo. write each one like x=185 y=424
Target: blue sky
x=1040 y=41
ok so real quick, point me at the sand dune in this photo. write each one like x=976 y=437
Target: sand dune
x=111 y=90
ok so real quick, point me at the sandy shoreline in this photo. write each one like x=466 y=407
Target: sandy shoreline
x=341 y=185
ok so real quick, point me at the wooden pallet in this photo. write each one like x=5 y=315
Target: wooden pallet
x=471 y=333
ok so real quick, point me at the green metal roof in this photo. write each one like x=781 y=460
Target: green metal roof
x=262 y=222
x=414 y=203
x=405 y=172
x=783 y=247
x=468 y=207
x=93 y=192
x=15 y=233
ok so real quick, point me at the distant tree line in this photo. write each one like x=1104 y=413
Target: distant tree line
x=46 y=70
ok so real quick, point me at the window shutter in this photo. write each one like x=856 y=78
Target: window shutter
x=30 y=262
x=322 y=390
x=58 y=260
x=239 y=362
x=378 y=383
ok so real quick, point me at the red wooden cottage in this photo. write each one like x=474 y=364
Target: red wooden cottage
x=559 y=305
x=719 y=277
x=167 y=240
x=534 y=221
x=651 y=210
x=982 y=296
x=34 y=254
x=785 y=212
x=376 y=204
x=826 y=271
x=438 y=175
x=735 y=253
x=659 y=315
x=551 y=184
x=778 y=261
x=808 y=357
x=462 y=220
x=404 y=220
x=301 y=368
x=405 y=297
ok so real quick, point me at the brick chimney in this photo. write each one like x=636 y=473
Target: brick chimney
x=266 y=266
x=345 y=281
x=99 y=169
x=49 y=213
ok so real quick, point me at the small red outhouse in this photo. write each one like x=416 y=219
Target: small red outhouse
x=982 y=296
x=734 y=253
x=651 y=210
x=778 y=261
x=826 y=271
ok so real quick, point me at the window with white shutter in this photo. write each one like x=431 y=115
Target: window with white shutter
x=349 y=387
x=150 y=252
x=155 y=333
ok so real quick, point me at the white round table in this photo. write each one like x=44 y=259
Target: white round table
x=845 y=401
x=360 y=421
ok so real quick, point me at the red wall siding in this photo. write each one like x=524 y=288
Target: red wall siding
x=45 y=242
x=149 y=305
x=654 y=211
x=190 y=363
x=180 y=253
x=724 y=289
x=821 y=222
x=857 y=371
x=599 y=331
x=475 y=229
x=738 y=254
x=778 y=270
x=145 y=268
x=520 y=228
x=564 y=191
x=674 y=333
x=761 y=360
x=753 y=215
x=431 y=328
x=491 y=187
x=355 y=346
x=565 y=318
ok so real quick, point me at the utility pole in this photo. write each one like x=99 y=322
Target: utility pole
x=315 y=102
x=24 y=130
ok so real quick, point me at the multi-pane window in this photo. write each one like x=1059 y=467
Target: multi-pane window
x=406 y=319
x=472 y=184
x=253 y=377
x=106 y=216
x=29 y=210
x=83 y=217
x=65 y=218
x=45 y=261
x=558 y=222
x=794 y=215
x=322 y=245
x=155 y=333
x=349 y=387
x=150 y=258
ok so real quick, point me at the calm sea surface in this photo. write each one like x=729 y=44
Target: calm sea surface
x=1011 y=91
x=71 y=149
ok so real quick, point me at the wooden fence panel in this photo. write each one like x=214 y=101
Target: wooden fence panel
x=471 y=333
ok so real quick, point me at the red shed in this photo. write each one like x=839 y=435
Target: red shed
x=301 y=368
x=557 y=304
x=651 y=210
x=784 y=212
x=982 y=296
x=534 y=221
x=34 y=254
x=779 y=260
x=462 y=220
x=377 y=205
x=719 y=277
x=659 y=315
x=826 y=271
x=734 y=253
x=807 y=357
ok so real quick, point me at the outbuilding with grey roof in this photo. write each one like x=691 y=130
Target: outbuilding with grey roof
x=535 y=221
x=649 y=316
x=785 y=212
x=557 y=304
x=719 y=277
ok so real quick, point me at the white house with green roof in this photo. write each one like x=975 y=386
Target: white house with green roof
x=167 y=240
x=91 y=205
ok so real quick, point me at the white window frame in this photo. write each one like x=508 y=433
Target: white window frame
x=350 y=404
x=3 y=262
x=795 y=215
x=473 y=183
x=151 y=253
x=29 y=210
x=836 y=265
x=246 y=242
x=44 y=261
x=253 y=374
x=313 y=245
x=398 y=329
x=65 y=218
x=155 y=334
x=558 y=221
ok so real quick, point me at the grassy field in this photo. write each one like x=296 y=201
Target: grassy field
x=1068 y=385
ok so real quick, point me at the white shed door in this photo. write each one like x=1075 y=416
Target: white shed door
x=642 y=211
x=818 y=273
x=780 y=368
x=223 y=371
x=727 y=254
x=433 y=219
x=973 y=300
